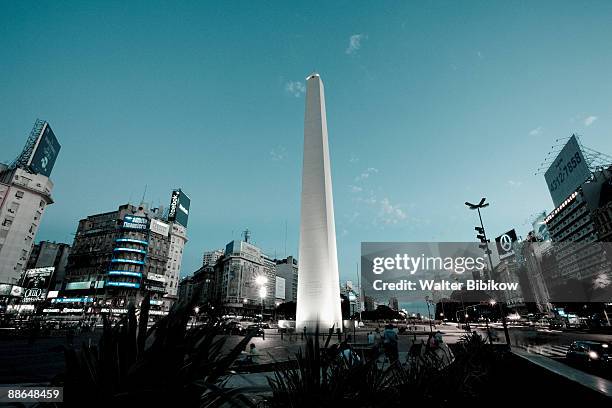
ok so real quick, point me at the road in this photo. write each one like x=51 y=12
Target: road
x=21 y=362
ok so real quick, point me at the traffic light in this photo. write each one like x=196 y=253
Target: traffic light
x=483 y=239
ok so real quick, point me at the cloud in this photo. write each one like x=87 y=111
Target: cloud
x=536 y=132
x=588 y=121
x=385 y=213
x=515 y=183
x=356 y=189
x=295 y=88
x=278 y=153
x=366 y=174
x=389 y=213
x=355 y=43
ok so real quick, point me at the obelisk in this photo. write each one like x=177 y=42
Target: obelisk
x=318 y=291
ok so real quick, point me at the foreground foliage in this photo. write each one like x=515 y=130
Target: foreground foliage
x=169 y=364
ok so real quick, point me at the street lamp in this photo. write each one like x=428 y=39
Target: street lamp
x=482 y=236
x=261 y=281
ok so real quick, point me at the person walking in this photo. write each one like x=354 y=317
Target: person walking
x=390 y=345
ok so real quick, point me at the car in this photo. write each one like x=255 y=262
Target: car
x=594 y=353
x=233 y=328
x=255 y=329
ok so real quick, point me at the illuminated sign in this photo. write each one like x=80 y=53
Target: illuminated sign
x=159 y=227
x=564 y=204
x=52 y=294
x=124 y=284
x=125 y=273
x=17 y=291
x=5 y=289
x=135 y=223
x=84 y=299
x=567 y=172
x=156 y=277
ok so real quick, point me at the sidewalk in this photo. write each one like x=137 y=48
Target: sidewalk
x=593 y=382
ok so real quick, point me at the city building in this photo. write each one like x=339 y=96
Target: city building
x=245 y=278
x=55 y=254
x=393 y=303
x=120 y=256
x=211 y=257
x=202 y=283
x=25 y=193
x=577 y=227
x=287 y=269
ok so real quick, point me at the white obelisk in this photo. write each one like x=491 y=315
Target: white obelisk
x=318 y=291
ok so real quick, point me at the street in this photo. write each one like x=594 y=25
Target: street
x=41 y=361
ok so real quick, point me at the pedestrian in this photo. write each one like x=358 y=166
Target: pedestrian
x=370 y=338
x=390 y=345
x=253 y=356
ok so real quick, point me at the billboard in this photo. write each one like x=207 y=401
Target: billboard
x=179 y=207
x=567 y=172
x=36 y=283
x=504 y=244
x=5 y=289
x=135 y=223
x=280 y=288
x=159 y=227
x=45 y=152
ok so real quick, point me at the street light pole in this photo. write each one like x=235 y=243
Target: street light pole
x=485 y=241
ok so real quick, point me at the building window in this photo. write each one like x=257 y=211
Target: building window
x=19 y=194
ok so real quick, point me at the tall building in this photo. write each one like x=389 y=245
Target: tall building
x=55 y=254
x=287 y=269
x=242 y=276
x=211 y=257
x=25 y=193
x=119 y=256
x=318 y=299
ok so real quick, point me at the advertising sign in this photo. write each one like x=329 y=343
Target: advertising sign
x=156 y=277
x=36 y=283
x=504 y=244
x=179 y=207
x=280 y=288
x=45 y=152
x=5 y=289
x=17 y=291
x=159 y=227
x=135 y=223
x=567 y=172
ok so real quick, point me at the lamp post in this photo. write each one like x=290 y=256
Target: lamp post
x=261 y=281
x=482 y=236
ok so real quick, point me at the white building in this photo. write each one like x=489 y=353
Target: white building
x=211 y=257
x=23 y=199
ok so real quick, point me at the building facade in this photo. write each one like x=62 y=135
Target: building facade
x=24 y=198
x=120 y=256
x=287 y=269
x=46 y=254
x=242 y=276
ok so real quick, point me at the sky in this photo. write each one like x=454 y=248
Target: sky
x=429 y=104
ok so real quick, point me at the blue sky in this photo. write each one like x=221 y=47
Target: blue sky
x=429 y=104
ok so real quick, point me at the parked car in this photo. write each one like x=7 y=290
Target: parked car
x=594 y=353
